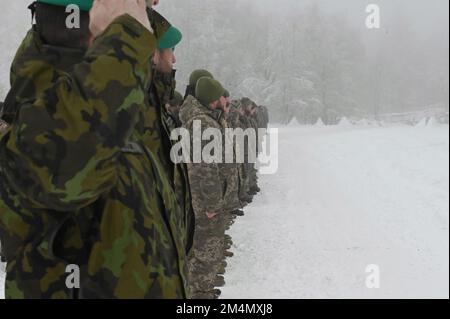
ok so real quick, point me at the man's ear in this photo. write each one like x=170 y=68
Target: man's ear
x=156 y=57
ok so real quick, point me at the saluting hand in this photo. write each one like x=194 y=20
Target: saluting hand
x=104 y=12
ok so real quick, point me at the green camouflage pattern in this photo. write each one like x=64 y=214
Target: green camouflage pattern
x=159 y=23
x=71 y=190
x=161 y=91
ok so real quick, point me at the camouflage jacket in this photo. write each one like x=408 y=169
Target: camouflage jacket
x=237 y=120
x=205 y=179
x=262 y=117
x=233 y=118
x=229 y=171
x=159 y=124
x=161 y=91
x=72 y=191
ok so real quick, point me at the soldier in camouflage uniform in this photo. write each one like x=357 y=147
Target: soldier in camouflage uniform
x=77 y=182
x=262 y=116
x=160 y=93
x=262 y=119
x=207 y=188
x=250 y=108
x=229 y=171
x=174 y=106
x=237 y=200
x=193 y=79
x=235 y=121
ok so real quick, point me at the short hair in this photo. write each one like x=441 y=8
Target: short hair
x=51 y=26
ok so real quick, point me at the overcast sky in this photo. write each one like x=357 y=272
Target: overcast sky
x=426 y=18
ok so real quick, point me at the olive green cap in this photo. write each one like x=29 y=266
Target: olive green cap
x=208 y=90
x=170 y=39
x=197 y=74
x=84 y=5
x=167 y=35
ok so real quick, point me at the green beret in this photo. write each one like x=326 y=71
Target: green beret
x=170 y=39
x=197 y=74
x=208 y=90
x=168 y=36
x=84 y=5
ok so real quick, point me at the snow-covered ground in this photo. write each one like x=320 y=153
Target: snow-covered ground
x=344 y=198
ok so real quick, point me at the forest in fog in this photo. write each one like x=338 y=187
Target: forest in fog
x=312 y=59
x=301 y=58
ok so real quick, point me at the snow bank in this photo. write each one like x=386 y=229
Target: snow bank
x=363 y=122
x=428 y=122
x=319 y=122
x=433 y=122
x=422 y=123
x=344 y=122
x=294 y=123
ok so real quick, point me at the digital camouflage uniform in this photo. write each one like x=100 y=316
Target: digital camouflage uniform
x=206 y=183
x=263 y=117
x=77 y=184
x=252 y=124
x=244 y=122
x=229 y=171
x=235 y=121
x=207 y=195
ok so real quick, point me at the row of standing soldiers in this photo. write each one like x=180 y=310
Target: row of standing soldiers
x=86 y=176
x=219 y=190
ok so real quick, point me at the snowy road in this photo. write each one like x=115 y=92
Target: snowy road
x=345 y=198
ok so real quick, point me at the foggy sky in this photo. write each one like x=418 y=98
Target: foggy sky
x=426 y=20
x=426 y=16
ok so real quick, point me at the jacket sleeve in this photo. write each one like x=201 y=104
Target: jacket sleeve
x=61 y=151
x=206 y=185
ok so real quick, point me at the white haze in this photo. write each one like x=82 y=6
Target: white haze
x=307 y=59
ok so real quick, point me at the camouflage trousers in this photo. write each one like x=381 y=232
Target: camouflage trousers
x=253 y=176
x=244 y=185
x=207 y=258
x=248 y=180
x=231 y=198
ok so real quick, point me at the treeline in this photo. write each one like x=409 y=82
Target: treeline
x=302 y=62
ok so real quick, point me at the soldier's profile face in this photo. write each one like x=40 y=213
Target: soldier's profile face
x=223 y=103
x=164 y=60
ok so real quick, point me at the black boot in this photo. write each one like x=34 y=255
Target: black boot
x=219 y=281
x=228 y=254
x=255 y=190
x=238 y=212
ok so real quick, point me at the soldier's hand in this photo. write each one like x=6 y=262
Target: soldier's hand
x=104 y=12
x=211 y=215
